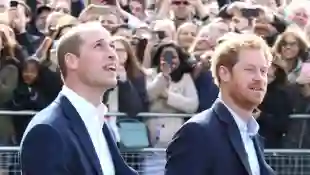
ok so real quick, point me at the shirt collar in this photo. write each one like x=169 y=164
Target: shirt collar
x=88 y=112
x=251 y=127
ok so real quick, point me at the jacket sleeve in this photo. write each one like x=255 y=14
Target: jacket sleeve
x=42 y=152
x=186 y=101
x=189 y=153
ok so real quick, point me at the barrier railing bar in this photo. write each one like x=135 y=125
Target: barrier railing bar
x=293 y=151
x=143 y=114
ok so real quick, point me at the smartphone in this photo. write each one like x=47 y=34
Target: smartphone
x=250 y=12
x=168 y=56
x=13 y=4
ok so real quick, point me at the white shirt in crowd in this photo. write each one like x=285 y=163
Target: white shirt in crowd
x=93 y=118
x=247 y=131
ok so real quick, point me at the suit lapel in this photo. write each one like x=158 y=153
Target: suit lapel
x=79 y=128
x=115 y=154
x=259 y=148
x=236 y=141
x=233 y=133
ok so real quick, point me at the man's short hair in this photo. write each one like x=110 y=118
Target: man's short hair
x=227 y=53
x=71 y=42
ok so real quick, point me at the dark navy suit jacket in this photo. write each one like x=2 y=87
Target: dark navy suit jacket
x=58 y=143
x=210 y=144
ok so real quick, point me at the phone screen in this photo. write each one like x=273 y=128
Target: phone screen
x=168 y=56
x=13 y=4
x=247 y=13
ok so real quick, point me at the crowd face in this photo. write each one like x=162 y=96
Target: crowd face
x=120 y=51
x=30 y=72
x=181 y=8
x=186 y=35
x=109 y=21
x=249 y=76
x=62 y=7
x=41 y=20
x=300 y=17
x=136 y=8
x=290 y=47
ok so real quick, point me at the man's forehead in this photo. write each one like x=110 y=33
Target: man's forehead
x=250 y=55
x=95 y=35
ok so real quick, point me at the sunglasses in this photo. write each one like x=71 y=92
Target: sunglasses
x=180 y=2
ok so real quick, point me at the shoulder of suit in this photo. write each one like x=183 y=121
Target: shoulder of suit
x=203 y=118
x=50 y=115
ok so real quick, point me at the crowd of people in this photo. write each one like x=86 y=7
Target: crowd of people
x=182 y=33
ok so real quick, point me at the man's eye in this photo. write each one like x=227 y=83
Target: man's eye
x=98 y=45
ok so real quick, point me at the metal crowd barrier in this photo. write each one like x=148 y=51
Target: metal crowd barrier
x=151 y=161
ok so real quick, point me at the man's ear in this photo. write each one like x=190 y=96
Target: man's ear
x=224 y=74
x=71 y=61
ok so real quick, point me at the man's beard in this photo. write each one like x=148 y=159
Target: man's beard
x=241 y=100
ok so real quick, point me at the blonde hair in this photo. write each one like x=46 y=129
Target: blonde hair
x=226 y=53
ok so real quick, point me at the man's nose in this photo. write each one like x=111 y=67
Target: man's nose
x=259 y=76
x=112 y=54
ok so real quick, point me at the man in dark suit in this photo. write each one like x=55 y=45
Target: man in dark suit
x=70 y=136
x=223 y=139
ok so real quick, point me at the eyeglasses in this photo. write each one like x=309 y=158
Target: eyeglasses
x=180 y=2
x=289 y=44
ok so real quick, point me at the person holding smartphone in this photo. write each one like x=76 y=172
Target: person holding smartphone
x=170 y=89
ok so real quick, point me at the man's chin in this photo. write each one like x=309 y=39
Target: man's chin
x=249 y=104
x=109 y=84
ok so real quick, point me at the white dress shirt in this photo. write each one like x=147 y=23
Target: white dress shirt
x=247 y=131
x=93 y=118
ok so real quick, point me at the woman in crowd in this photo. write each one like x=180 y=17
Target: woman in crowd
x=170 y=89
x=27 y=96
x=292 y=47
x=131 y=84
x=273 y=113
x=12 y=57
